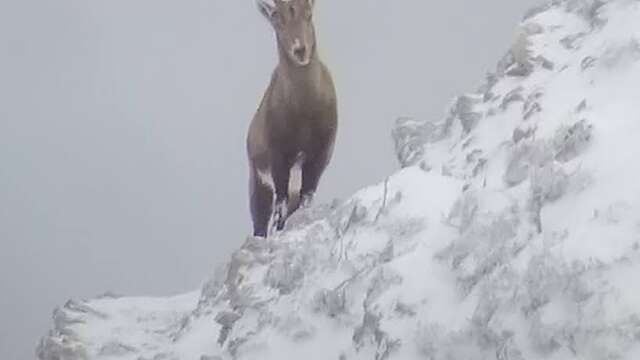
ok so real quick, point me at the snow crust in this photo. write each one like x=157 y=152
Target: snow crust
x=511 y=233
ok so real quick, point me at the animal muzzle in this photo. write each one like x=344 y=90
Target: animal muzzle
x=300 y=53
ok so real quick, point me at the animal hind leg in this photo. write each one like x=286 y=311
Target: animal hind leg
x=261 y=196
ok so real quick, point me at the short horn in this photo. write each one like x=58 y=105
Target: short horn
x=266 y=8
x=268 y=3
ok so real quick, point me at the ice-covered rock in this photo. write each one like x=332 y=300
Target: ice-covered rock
x=511 y=233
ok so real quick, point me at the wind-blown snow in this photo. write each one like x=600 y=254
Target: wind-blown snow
x=512 y=233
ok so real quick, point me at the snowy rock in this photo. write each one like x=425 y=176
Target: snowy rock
x=511 y=233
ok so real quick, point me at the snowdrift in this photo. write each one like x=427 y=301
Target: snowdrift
x=512 y=232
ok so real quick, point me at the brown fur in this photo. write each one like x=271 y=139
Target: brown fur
x=296 y=121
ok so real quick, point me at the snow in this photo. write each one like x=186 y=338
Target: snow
x=512 y=232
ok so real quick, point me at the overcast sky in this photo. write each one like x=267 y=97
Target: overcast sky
x=122 y=127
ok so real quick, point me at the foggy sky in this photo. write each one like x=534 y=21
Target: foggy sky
x=122 y=127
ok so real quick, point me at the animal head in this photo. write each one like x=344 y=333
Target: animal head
x=292 y=22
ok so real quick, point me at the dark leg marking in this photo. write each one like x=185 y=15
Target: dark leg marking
x=280 y=171
x=311 y=173
x=261 y=202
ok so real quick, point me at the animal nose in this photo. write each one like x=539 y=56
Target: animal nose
x=300 y=52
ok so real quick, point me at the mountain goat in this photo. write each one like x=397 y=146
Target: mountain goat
x=296 y=122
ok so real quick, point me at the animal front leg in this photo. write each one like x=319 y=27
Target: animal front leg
x=311 y=173
x=279 y=217
x=261 y=201
x=280 y=171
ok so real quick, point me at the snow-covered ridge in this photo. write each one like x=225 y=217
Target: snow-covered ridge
x=512 y=233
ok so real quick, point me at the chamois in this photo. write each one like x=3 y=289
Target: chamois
x=296 y=122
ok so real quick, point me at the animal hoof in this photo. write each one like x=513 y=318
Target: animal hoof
x=306 y=200
x=260 y=234
x=279 y=215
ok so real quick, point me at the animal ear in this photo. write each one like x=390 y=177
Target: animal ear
x=267 y=10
